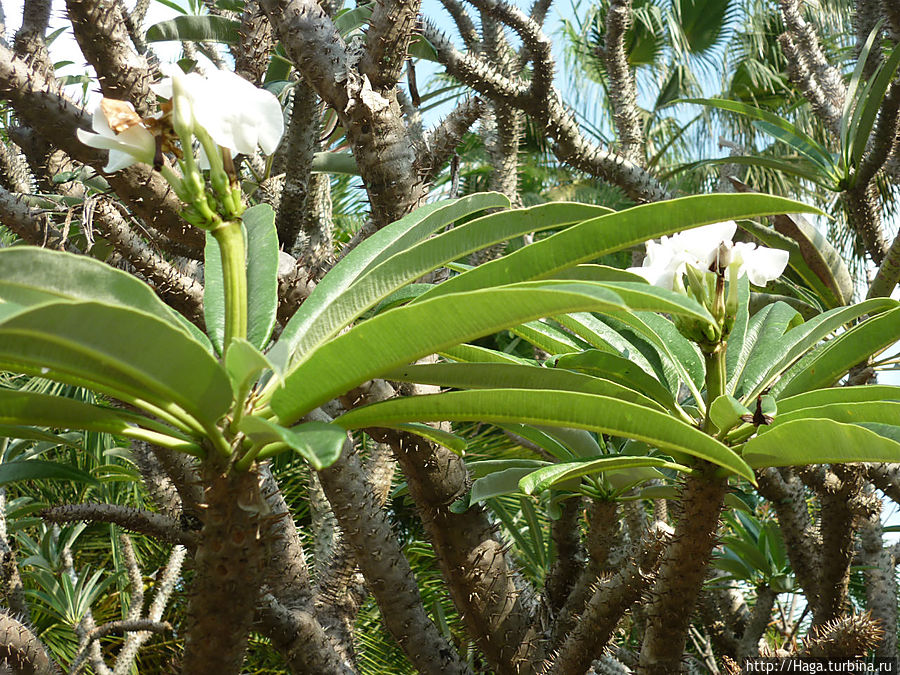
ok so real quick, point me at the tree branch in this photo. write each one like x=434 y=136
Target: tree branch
x=681 y=575
x=99 y=28
x=32 y=225
x=29 y=42
x=879 y=570
x=387 y=39
x=603 y=524
x=287 y=574
x=165 y=586
x=306 y=646
x=842 y=502
x=126 y=517
x=819 y=81
x=609 y=603
x=786 y=493
x=21 y=650
x=387 y=572
x=864 y=215
x=300 y=144
x=622 y=87
x=112 y=628
x=464 y=24
x=472 y=561
x=251 y=53
x=444 y=138
x=568 y=554
x=11 y=587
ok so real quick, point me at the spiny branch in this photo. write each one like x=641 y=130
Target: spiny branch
x=622 y=87
x=444 y=139
x=126 y=517
x=99 y=28
x=820 y=82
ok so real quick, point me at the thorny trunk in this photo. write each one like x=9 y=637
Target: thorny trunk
x=682 y=573
x=228 y=567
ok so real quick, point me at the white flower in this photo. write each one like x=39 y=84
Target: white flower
x=132 y=143
x=759 y=263
x=701 y=247
x=237 y=115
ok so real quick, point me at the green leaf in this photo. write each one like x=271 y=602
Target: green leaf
x=121 y=352
x=350 y=19
x=498 y=483
x=792 y=167
x=335 y=162
x=801 y=145
x=545 y=478
x=552 y=408
x=213 y=293
x=31 y=276
x=868 y=105
x=405 y=266
x=736 y=355
x=842 y=353
x=548 y=338
x=856 y=394
x=244 y=363
x=678 y=354
x=725 y=412
x=33 y=434
x=474 y=353
x=262 y=273
x=763 y=331
x=789 y=444
x=407 y=333
x=603 y=365
x=192 y=28
x=820 y=256
x=774 y=355
x=36 y=469
x=318 y=443
x=578 y=442
x=388 y=241
x=589 y=272
x=801 y=258
x=871 y=412
x=822 y=261
x=57 y=412
x=601 y=236
x=538 y=437
x=514 y=376
x=811 y=148
x=600 y=334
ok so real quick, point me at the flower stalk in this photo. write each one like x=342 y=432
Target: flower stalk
x=230 y=237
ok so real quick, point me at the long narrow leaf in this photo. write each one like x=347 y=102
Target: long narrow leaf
x=500 y=375
x=122 y=352
x=545 y=478
x=838 y=356
x=388 y=241
x=30 y=276
x=598 y=237
x=400 y=269
x=812 y=148
x=775 y=356
x=407 y=333
x=856 y=394
x=553 y=408
x=789 y=445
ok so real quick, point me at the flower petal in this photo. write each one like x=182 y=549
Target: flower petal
x=702 y=243
x=761 y=264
